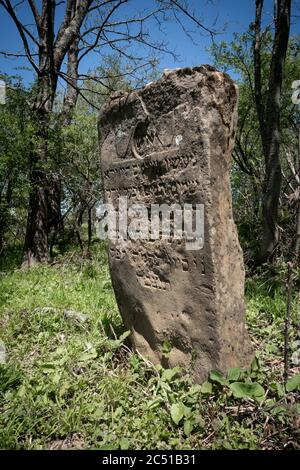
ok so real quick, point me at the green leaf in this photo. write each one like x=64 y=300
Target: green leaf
x=177 y=412
x=88 y=356
x=250 y=390
x=195 y=389
x=64 y=389
x=169 y=374
x=255 y=366
x=297 y=408
x=113 y=344
x=187 y=411
x=278 y=409
x=187 y=427
x=48 y=367
x=226 y=445
x=199 y=421
x=109 y=447
x=270 y=402
x=118 y=412
x=124 y=444
x=153 y=404
x=166 y=350
x=206 y=388
x=99 y=411
x=56 y=377
x=124 y=336
x=277 y=388
x=280 y=390
x=234 y=374
x=293 y=383
x=217 y=377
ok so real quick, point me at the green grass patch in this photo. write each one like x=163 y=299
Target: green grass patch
x=70 y=382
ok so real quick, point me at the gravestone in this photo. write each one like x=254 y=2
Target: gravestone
x=170 y=143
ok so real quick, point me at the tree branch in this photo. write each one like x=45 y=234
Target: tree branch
x=257 y=71
x=16 y=55
x=22 y=30
x=110 y=13
x=69 y=29
x=192 y=17
x=36 y=15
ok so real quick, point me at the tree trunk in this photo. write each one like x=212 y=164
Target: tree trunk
x=45 y=188
x=270 y=207
x=269 y=119
x=71 y=95
x=37 y=230
x=90 y=227
x=78 y=223
x=36 y=240
x=54 y=191
x=297 y=244
x=258 y=75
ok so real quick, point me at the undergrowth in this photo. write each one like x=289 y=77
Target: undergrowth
x=68 y=380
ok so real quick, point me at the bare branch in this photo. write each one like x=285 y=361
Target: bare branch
x=186 y=12
x=67 y=18
x=22 y=30
x=110 y=13
x=70 y=29
x=101 y=4
x=121 y=23
x=123 y=74
x=16 y=55
x=36 y=15
x=79 y=90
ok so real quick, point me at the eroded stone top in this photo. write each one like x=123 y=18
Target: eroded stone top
x=142 y=122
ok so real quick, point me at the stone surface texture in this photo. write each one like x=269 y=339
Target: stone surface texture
x=171 y=142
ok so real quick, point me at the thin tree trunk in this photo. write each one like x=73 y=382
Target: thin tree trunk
x=37 y=230
x=90 y=227
x=78 y=223
x=297 y=244
x=269 y=120
x=258 y=75
x=270 y=208
x=40 y=206
x=36 y=239
x=54 y=193
x=71 y=95
x=45 y=189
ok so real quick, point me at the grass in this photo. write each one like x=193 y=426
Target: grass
x=70 y=382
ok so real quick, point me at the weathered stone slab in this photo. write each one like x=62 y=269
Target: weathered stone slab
x=167 y=143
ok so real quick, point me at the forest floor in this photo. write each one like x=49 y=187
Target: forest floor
x=68 y=381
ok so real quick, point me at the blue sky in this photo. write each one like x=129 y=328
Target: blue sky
x=231 y=15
